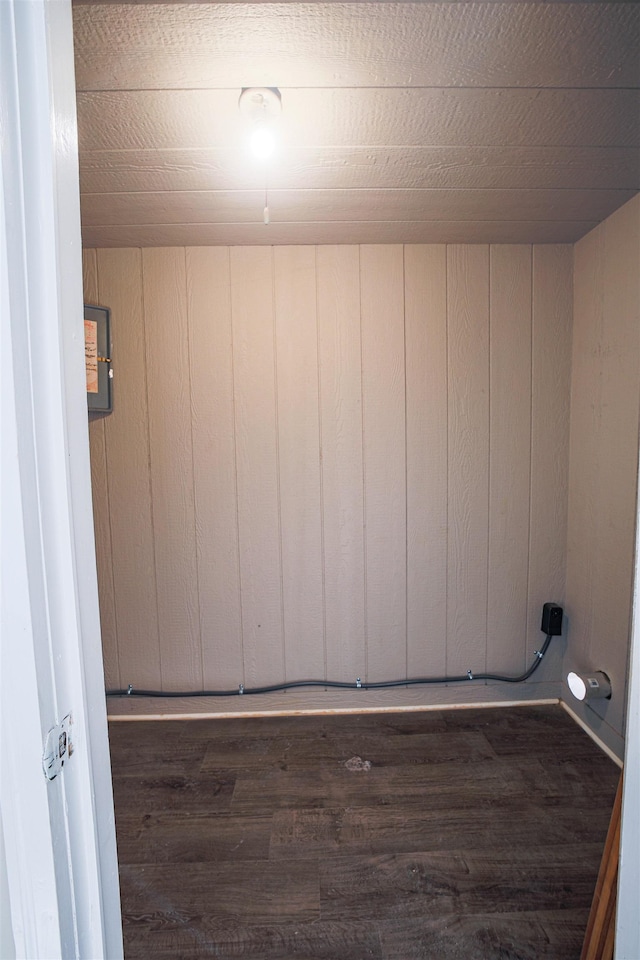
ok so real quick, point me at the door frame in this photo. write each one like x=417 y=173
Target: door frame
x=627 y=942
x=59 y=835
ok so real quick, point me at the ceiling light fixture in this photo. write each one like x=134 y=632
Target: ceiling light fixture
x=261 y=106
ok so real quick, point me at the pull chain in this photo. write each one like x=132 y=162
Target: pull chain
x=265 y=214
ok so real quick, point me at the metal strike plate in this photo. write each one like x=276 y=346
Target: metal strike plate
x=57 y=748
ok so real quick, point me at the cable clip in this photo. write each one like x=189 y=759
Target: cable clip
x=241 y=689
x=538 y=654
x=129 y=689
x=469 y=675
x=358 y=683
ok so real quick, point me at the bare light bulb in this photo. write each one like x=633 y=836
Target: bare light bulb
x=263 y=142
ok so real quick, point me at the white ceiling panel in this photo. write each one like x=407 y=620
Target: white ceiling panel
x=129 y=46
x=319 y=206
x=399 y=231
x=462 y=168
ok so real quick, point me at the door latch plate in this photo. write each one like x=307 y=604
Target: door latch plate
x=57 y=748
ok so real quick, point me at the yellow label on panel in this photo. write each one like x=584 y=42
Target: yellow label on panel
x=91 y=354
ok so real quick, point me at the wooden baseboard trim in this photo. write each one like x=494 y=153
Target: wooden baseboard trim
x=599 y=938
x=225 y=714
x=594 y=736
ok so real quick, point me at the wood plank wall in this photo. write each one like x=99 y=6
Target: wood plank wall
x=604 y=460
x=330 y=462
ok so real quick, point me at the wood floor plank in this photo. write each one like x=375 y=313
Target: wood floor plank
x=147 y=732
x=494 y=936
x=382 y=752
x=471 y=718
x=522 y=731
x=246 y=756
x=439 y=785
x=332 y=752
x=547 y=743
x=181 y=757
x=320 y=834
x=267 y=892
x=591 y=778
x=537 y=717
x=399 y=886
x=193 y=794
x=192 y=838
x=514 y=743
x=283 y=941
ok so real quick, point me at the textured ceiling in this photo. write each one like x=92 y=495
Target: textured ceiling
x=416 y=122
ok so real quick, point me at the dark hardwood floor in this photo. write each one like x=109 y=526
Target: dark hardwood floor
x=475 y=835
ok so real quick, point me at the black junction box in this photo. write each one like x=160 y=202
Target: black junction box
x=551 y=620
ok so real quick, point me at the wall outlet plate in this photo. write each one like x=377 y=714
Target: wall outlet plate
x=551 y=620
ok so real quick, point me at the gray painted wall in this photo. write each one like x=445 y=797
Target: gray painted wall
x=605 y=395
x=331 y=461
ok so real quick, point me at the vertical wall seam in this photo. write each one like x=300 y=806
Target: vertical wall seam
x=531 y=395
x=149 y=465
x=599 y=330
x=108 y=493
x=193 y=466
x=568 y=429
x=406 y=467
x=320 y=465
x=235 y=468
x=448 y=378
x=274 y=321
x=364 y=478
x=489 y=409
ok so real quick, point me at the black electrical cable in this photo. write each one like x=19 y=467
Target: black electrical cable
x=340 y=684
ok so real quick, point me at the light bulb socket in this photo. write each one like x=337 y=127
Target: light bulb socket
x=260 y=103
